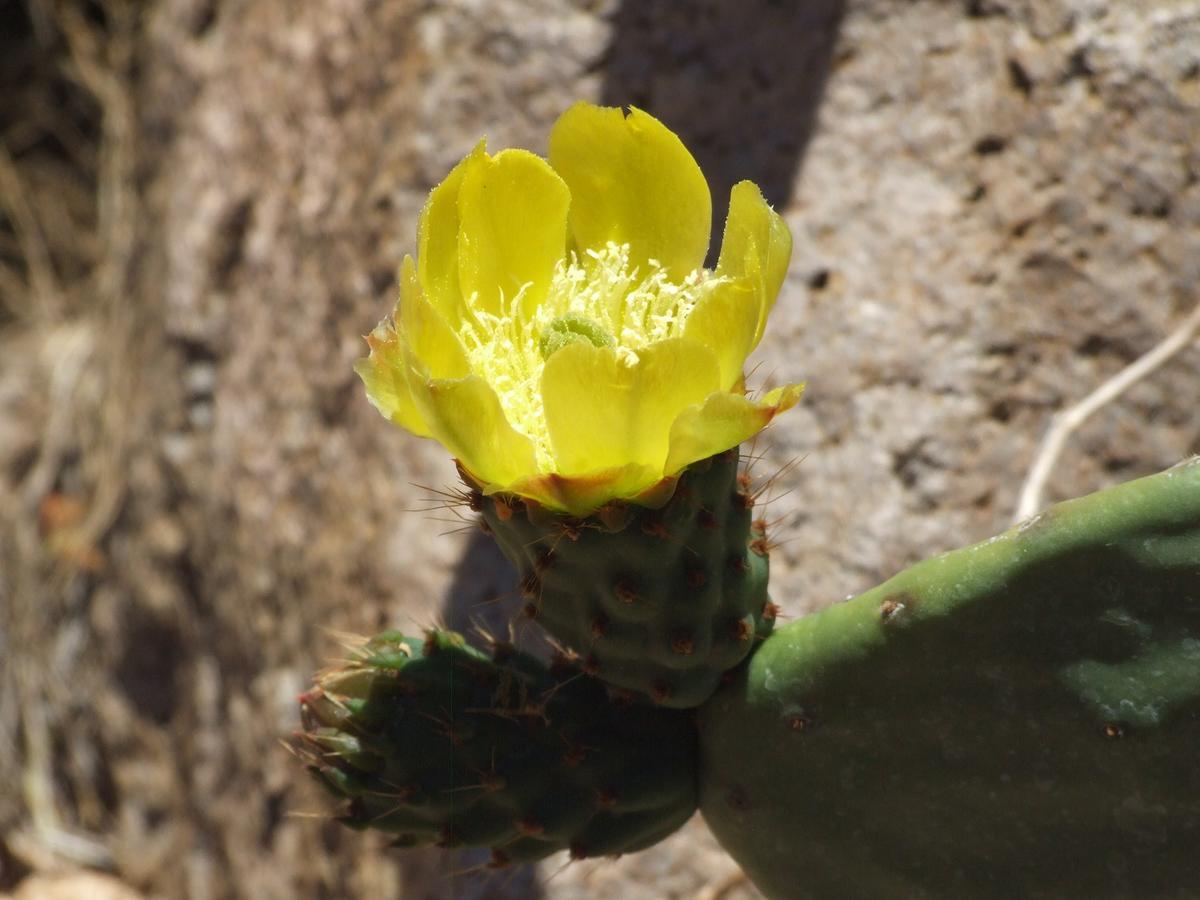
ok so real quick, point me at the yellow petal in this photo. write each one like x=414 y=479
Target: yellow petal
x=632 y=181
x=513 y=210
x=580 y=495
x=602 y=413
x=464 y=414
x=437 y=239
x=425 y=331
x=726 y=320
x=723 y=421
x=757 y=245
x=383 y=373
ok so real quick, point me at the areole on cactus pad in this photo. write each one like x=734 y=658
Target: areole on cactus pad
x=659 y=601
x=439 y=744
x=1020 y=718
x=1015 y=718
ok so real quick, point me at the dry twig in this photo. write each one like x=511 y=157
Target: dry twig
x=723 y=888
x=1065 y=423
x=15 y=203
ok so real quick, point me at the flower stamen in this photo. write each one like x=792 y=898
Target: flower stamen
x=597 y=297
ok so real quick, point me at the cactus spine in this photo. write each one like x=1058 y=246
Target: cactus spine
x=660 y=601
x=440 y=744
x=1018 y=717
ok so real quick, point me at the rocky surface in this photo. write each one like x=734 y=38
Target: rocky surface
x=995 y=203
x=73 y=886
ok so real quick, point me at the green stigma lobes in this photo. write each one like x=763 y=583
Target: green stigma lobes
x=659 y=601
x=599 y=297
x=569 y=328
x=440 y=744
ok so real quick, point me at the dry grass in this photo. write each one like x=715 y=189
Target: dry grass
x=68 y=234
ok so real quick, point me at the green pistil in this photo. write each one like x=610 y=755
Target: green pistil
x=569 y=328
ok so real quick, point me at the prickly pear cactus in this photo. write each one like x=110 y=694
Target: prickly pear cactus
x=441 y=744
x=660 y=601
x=1018 y=718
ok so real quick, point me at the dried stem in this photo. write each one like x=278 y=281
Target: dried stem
x=1065 y=423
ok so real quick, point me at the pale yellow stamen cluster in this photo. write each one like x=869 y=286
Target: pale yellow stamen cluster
x=632 y=308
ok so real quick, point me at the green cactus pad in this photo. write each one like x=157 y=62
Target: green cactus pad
x=441 y=744
x=1020 y=718
x=660 y=601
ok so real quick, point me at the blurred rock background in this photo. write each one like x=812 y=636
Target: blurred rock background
x=996 y=206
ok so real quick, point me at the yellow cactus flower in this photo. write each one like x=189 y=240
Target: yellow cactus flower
x=558 y=332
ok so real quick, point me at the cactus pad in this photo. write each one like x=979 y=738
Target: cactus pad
x=661 y=601
x=438 y=743
x=1018 y=718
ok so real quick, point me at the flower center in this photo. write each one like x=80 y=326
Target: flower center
x=597 y=297
x=569 y=328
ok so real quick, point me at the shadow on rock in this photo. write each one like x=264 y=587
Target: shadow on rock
x=483 y=599
x=740 y=83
